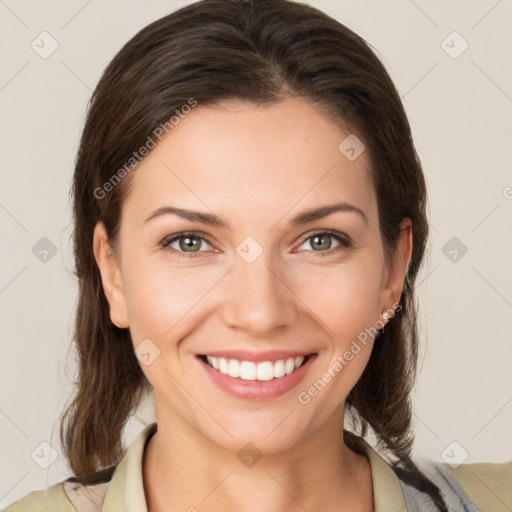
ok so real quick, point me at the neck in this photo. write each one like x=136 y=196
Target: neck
x=185 y=471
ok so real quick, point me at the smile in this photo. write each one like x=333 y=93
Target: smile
x=249 y=370
x=256 y=375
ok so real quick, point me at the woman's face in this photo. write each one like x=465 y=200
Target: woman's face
x=252 y=274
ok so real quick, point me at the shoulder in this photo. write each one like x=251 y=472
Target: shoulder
x=468 y=487
x=64 y=496
x=124 y=480
x=53 y=498
x=489 y=485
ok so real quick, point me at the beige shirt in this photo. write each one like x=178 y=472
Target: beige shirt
x=125 y=491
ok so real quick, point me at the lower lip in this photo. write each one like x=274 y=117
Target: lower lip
x=258 y=389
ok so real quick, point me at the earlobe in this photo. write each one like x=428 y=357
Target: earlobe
x=111 y=278
x=397 y=270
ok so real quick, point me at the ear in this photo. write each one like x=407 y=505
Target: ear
x=396 y=270
x=112 y=281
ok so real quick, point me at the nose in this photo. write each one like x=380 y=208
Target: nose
x=259 y=301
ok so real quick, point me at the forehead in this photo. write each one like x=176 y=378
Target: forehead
x=238 y=157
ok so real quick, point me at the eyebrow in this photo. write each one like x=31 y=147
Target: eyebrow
x=213 y=220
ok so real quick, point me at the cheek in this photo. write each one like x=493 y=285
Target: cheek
x=344 y=298
x=160 y=297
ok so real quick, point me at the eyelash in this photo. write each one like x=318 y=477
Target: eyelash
x=344 y=243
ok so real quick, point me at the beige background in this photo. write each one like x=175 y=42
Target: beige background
x=461 y=114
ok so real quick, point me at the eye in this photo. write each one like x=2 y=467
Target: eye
x=321 y=242
x=186 y=244
x=189 y=244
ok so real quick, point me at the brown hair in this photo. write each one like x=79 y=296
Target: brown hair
x=261 y=51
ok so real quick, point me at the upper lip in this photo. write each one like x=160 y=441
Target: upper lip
x=257 y=357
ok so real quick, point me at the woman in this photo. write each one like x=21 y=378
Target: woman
x=250 y=219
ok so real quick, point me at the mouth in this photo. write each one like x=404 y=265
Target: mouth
x=256 y=376
x=252 y=370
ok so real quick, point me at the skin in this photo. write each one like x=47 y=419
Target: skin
x=255 y=167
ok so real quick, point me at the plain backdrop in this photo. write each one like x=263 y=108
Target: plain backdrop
x=459 y=101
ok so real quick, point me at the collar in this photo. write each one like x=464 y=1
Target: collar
x=126 y=489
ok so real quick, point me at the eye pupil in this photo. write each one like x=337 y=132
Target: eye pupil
x=190 y=242
x=321 y=237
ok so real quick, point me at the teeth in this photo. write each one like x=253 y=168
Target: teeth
x=248 y=370
x=223 y=366
x=233 y=368
x=265 y=371
x=279 y=370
